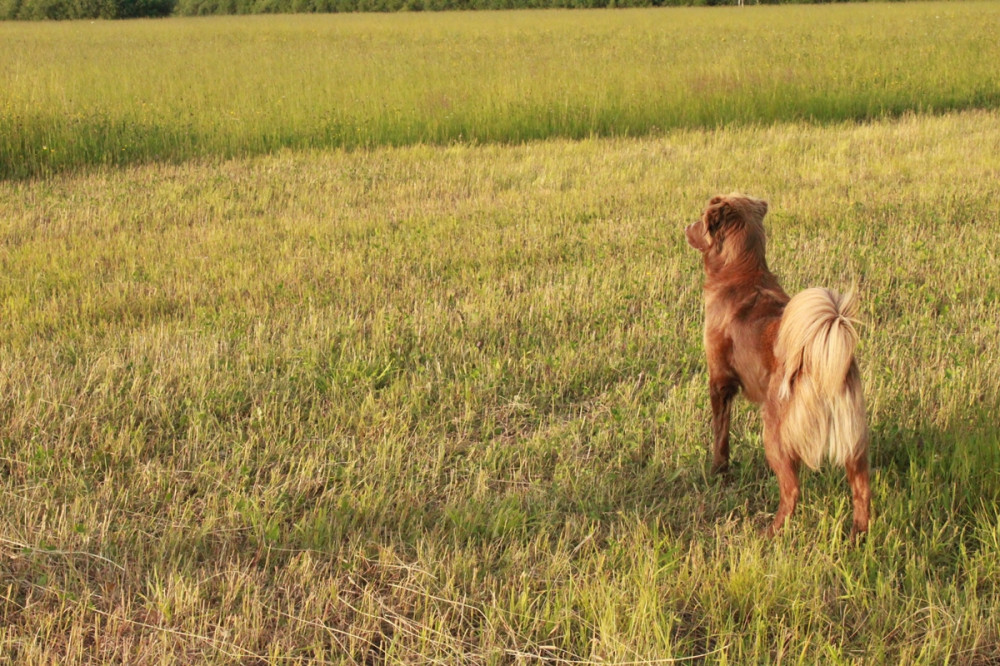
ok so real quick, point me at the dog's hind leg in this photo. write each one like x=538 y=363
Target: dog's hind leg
x=861 y=494
x=786 y=468
x=721 y=390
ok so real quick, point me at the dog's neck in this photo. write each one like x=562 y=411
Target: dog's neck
x=748 y=269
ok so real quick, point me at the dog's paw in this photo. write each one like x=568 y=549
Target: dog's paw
x=858 y=536
x=720 y=467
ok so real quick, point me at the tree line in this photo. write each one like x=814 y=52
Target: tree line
x=122 y=9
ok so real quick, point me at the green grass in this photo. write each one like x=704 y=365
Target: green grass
x=449 y=405
x=78 y=94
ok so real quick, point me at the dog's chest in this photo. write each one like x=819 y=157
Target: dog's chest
x=751 y=367
x=742 y=344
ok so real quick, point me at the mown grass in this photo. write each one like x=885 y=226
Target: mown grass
x=449 y=405
x=79 y=94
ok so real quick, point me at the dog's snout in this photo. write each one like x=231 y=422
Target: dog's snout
x=692 y=236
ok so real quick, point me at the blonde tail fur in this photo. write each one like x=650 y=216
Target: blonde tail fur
x=820 y=396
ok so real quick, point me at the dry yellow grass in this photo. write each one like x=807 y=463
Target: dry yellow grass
x=448 y=405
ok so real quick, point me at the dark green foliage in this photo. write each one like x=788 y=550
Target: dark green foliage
x=34 y=10
x=115 y=9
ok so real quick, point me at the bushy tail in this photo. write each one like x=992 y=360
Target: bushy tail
x=823 y=409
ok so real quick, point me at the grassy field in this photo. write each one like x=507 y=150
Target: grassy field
x=365 y=400
x=448 y=405
x=77 y=94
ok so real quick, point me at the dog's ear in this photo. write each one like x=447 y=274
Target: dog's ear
x=704 y=234
x=716 y=215
x=761 y=207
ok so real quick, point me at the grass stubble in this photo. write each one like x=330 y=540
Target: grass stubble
x=448 y=405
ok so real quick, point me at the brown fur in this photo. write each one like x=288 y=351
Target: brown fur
x=794 y=357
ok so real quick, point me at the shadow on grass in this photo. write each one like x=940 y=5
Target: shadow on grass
x=935 y=483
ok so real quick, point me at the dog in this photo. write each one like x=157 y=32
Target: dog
x=792 y=356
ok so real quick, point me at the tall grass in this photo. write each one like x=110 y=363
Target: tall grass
x=80 y=94
x=449 y=405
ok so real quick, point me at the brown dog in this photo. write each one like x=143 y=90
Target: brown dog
x=795 y=357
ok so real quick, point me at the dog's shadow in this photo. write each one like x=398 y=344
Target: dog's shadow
x=931 y=477
x=926 y=478
x=930 y=483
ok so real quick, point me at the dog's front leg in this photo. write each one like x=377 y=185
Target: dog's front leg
x=721 y=390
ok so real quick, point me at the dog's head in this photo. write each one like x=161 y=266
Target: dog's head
x=731 y=230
